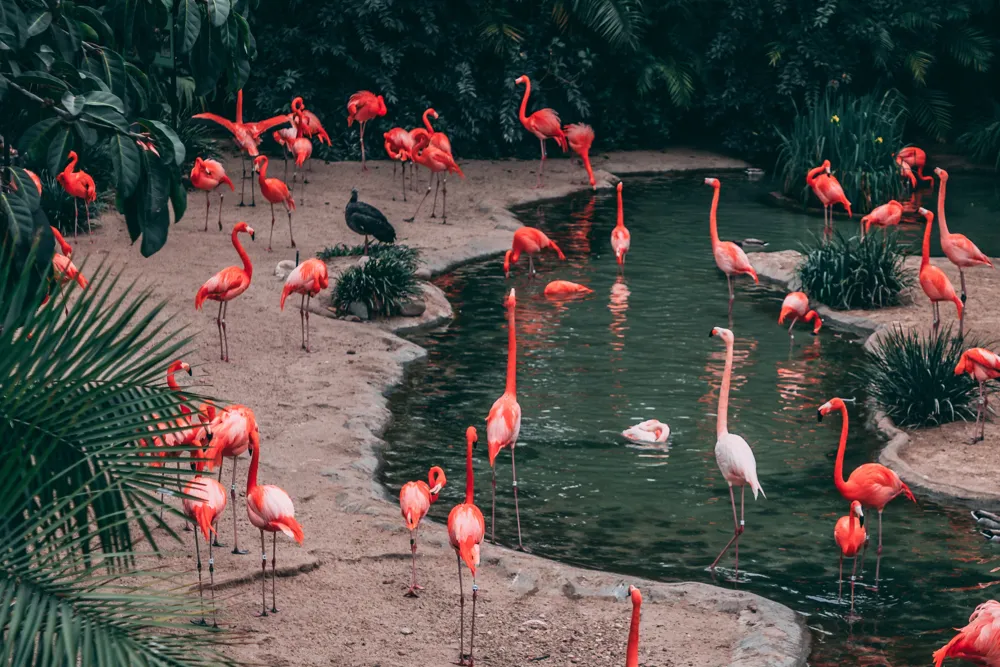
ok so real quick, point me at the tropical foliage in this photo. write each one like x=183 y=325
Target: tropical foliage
x=381 y=284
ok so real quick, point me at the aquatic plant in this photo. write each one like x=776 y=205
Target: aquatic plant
x=381 y=283
x=848 y=273
x=911 y=378
x=375 y=249
x=858 y=135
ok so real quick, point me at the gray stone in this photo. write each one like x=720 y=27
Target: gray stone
x=412 y=308
x=358 y=309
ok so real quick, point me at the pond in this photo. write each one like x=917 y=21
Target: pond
x=638 y=348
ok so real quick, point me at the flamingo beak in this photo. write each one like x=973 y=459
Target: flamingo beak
x=861 y=518
x=819 y=415
x=436 y=489
x=190 y=372
x=252 y=236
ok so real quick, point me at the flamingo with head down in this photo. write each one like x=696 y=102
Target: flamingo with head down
x=647 y=432
x=911 y=158
x=849 y=534
x=581 y=137
x=886 y=215
x=529 y=241
x=399 y=144
x=562 y=288
x=797 y=304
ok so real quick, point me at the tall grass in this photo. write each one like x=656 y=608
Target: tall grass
x=858 y=136
x=848 y=273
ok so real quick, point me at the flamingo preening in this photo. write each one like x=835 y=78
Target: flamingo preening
x=933 y=281
x=910 y=158
x=886 y=215
x=302 y=149
x=307 y=123
x=978 y=641
x=797 y=304
x=79 y=185
x=207 y=175
x=466 y=530
x=415 y=499
x=438 y=161
x=732 y=453
x=529 y=241
x=275 y=191
x=307 y=279
x=621 y=239
x=729 y=257
x=827 y=189
x=581 y=137
x=544 y=124
x=563 y=288
x=226 y=285
x=363 y=107
x=983 y=365
x=849 y=534
x=438 y=139
x=234 y=430
x=399 y=146
x=204 y=503
x=648 y=432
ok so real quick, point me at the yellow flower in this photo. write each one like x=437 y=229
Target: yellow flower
x=834 y=118
x=878 y=140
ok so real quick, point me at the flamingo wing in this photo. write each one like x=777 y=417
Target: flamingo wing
x=224 y=122
x=262 y=126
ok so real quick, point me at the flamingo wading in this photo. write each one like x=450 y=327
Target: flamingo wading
x=530 y=241
x=729 y=257
x=849 y=534
x=621 y=239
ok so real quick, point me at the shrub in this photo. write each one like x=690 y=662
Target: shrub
x=403 y=252
x=847 y=273
x=912 y=378
x=982 y=141
x=858 y=136
x=382 y=283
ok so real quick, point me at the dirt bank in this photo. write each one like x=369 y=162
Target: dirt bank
x=321 y=416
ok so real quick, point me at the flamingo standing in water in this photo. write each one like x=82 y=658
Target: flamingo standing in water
x=797 y=304
x=982 y=365
x=933 y=281
x=732 y=453
x=544 y=124
x=269 y=509
x=729 y=257
x=438 y=161
x=363 y=107
x=886 y=215
x=79 y=185
x=530 y=241
x=560 y=288
x=307 y=279
x=872 y=484
x=827 y=189
x=234 y=430
x=962 y=252
x=979 y=641
x=204 y=503
x=275 y=191
x=415 y=499
x=849 y=533
x=503 y=424
x=207 y=175
x=620 y=237
x=632 y=652
x=581 y=137
x=910 y=158
x=226 y=285
x=466 y=530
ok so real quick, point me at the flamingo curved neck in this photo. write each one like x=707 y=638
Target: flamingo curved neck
x=247 y=266
x=511 y=355
x=427 y=121
x=262 y=170
x=942 y=223
x=252 y=475
x=722 y=419
x=524 y=100
x=239 y=107
x=814 y=174
x=621 y=212
x=469 y=481
x=632 y=655
x=838 y=467
x=713 y=224
x=71 y=165
x=171 y=382
x=925 y=258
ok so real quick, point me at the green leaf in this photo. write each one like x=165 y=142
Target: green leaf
x=154 y=214
x=73 y=103
x=94 y=18
x=188 y=25
x=101 y=99
x=208 y=61
x=125 y=158
x=59 y=148
x=38 y=22
x=87 y=134
x=218 y=11
x=39 y=78
x=93 y=82
x=24 y=183
x=165 y=140
x=35 y=140
x=106 y=118
x=178 y=198
x=110 y=67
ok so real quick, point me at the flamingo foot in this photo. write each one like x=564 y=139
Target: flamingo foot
x=411 y=592
x=203 y=623
x=523 y=549
x=239 y=552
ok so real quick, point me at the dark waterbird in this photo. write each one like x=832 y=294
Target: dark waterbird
x=367 y=220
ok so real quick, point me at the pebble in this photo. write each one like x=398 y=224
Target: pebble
x=406 y=631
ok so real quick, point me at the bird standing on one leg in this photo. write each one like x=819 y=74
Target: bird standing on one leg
x=302 y=149
x=275 y=191
x=415 y=499
x=363 y=107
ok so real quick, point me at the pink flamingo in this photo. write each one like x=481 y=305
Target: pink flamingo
x=849 y=534
x=363 y=107
x=63 y=269
x=307 y=123
x=307 y=279
x=204 y=503
x=914 y=158
x=581 y=137
x=275 y=191
x=978 y=641
x=962 y=252
x=207 y=175
x=872 y=484
x=886 y=215
x=438 y=161
x=933 y=281
x=79 y=185
x=632 y=652
x=732 y=453
x=529 y=241
x=982 y=365
x=466 y=529
x=226 y=285
x=234 y=430
x=284 y=138
x=797 y=304
x=269 y=509
x=558 y=288
x=544 y=124
x=651 y=431
x=415 y=499
x=302 y=149
x=621 y=240
x=828 y=190
x=399 y=145
x=503 y=424
x=729 y=257
x=438 y=139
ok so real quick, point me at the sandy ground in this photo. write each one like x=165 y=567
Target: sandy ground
x=941 y=459
x=321 y=415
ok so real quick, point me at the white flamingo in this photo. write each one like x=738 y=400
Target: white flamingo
x=732 y=453
x=649 y=431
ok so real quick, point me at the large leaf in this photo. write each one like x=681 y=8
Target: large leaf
x=153 y=209
x=34 y=142
x=218 y=11
x=188 y=24
x=101 y=99
x=208 y=60
x=110 y=67
x=165 y=139
x=73 y=104
x=178 y=198
x=59 y=148
x=39 y=78
x=125 y=158
x=38 y=22
x=94 y=18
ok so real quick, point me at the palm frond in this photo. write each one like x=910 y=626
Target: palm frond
x=619 y=22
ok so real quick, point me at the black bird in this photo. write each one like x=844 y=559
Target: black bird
x=367 y=220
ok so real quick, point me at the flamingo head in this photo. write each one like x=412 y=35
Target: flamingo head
x=199 y=164
x=471 y=436
x=928 y=216
x=619 y=187
x=432 y=113
x=180 y=366
x=506 y=264
x=714 y=182
x=437 y=480
x=72 y=156
x=941 y=173
x=510 y=301
x=965 y=365
x=813 y=316
x=381 y=110
x=259 y=162
x=298 y=105
x=635 y=595
x=244 y=227
x=521 y=79
x=724 y=334
x=858 y=512
x=828 y=407
x=826 y=166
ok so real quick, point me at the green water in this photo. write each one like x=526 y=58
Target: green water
x=639 y=348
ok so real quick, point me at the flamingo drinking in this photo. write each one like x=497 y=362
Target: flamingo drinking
x=530 y=241
x=886 y=215
x=621 y=239
x=415 y=499
x=797 y=304
x=581 y=137
x=226 y=285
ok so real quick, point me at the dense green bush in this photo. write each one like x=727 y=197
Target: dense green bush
x=858 y=135
x=377 y=249
x=381 y=283
x=912 y=378
x=848 y=273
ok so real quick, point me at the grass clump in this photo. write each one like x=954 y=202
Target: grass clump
x=912 y=378
x=381 y=284
x=849 y=273
x=375 y=249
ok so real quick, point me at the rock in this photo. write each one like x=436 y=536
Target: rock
x=535 y=624
x=412 y=307
x=405 y=631
x=358 y=309
x=352 y=318
x=284 y=267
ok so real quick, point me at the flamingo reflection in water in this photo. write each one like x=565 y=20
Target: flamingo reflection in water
x=618 y=305
x=796 y=378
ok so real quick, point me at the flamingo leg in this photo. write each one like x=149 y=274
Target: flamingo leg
x=414 y=216
x=222 y=197
x=271 y=235
x=541 y=169
x=243 y=181
x=493 y=514
x=878 y=553
x=853 y=578
x=253 y=198
x=437 y=186
x=222 y=349
x=86 y=209
x=288 y=210
x=232 y=496
x=412 y=591
x=472 y=631
x=263 y=575
x=517 y=512
x=215 y=538
x=308 y=300
x=934 y=318
x=364 y=167
x=274 y=577
x=732 y=295
x=302 y=319
x=461 y=616
x=225 y=334
x=284 y=152
x=211 y=578
x=208 y=206
x=444 y=200
x=76 y=222
x=531 y=265
x=840 y=577
x=402 y=173
x=736 y=531
x=794 y=320
x=201 y=594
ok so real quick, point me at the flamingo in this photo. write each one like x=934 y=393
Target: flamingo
x=234 y=430
x=914 y=158
x=415 y=498
x=982 y=365
x=872 y=484
x=934 y=282
x=632 y=652
x=34 y=178
x=269 y=509
x=648 y=432
x=204 y=502
x=828 y=190
x=284 y=138
x=79 y=185
x=207 y=175
x=729 y=257
x=64 y=270
x=438 y=139
x=438 y=161
x=732 y=453
x=307 y=279
x=466 y=529
x=962 y=252
x=226 y=285
x=415 y=135
x=275 y=191
x=849 y=533
x=544 y=124
x=363 y=107
x=979 y=641
x=246 y=135
x=307 y=123
x=797 y=304
x=302 y=149
x=580 y=137
x=907 y=173
x=530 y=241
x=886 y=215
x=398 y=146
x=558 y=288
x=503 y=424
x=621 y=239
